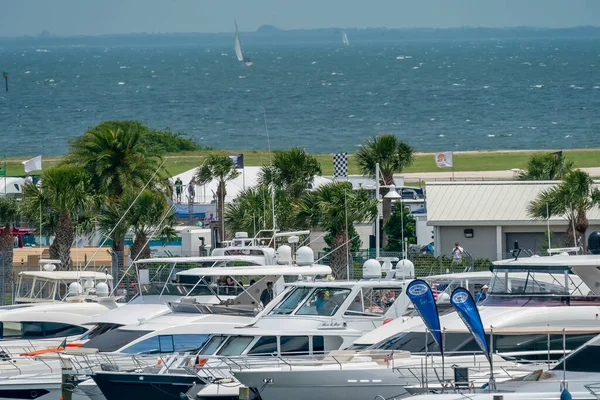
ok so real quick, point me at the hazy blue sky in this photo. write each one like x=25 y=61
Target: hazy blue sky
x=93 y=17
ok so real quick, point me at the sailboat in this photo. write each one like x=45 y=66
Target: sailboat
x=238 y=48
x=345 y=39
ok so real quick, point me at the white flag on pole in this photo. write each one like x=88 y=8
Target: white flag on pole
x=35 y=164
x=444 y=160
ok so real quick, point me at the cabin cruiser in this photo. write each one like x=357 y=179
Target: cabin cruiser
x=526 y=294
x=578 y=373
x=188 y=326
x=310 y=318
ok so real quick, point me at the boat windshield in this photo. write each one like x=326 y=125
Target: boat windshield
x=324 y=301
x=535 y=281
x=291 y=301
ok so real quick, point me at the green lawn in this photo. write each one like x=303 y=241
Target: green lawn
x=480 y=161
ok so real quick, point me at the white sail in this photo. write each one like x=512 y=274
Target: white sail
x=345 y=39
x=238 y=46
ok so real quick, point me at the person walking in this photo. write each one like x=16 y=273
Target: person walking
x=457 y=253
x=178 y=187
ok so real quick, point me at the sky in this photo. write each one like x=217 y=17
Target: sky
x=99 y=17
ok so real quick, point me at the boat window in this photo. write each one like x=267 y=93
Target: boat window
x=324 y=301
x=291 y=301
x=165 y=344
x=148 y=346
x=32 y=330
x=532 y=282
x=235 y=345
x=294 y=345
x=11 y=330
x=189 y=342
x=373 y=302
x=266 y=345
x=114 y=340
x=212 y=345
x=55 y=329
x=318 y=345
x=99 y=330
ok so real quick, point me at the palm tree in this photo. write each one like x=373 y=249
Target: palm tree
x=334 y=207
x=115 y=157
x=252 y=211
x=393 y=156
x=9 y=212
x=221 y=168
x=546 y=167
x=65 y=196
x=571 y=199
x=292 y=170
x=149 y=215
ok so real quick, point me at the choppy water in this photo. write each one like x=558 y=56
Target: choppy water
x=438 y=95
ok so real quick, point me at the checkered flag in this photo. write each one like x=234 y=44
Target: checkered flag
x=340 y=165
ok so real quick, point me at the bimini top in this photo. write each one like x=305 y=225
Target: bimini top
x=368 y=283
x=66 y=275
x=258 y=260
x=589 y=260
x=280 y=270
x=459 y=276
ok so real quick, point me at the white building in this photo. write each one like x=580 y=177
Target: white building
x=487 y=217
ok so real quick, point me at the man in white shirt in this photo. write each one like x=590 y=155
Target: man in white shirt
x=28 y=179
x=457 y=253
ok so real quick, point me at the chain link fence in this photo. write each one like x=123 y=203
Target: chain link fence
x=425 y=264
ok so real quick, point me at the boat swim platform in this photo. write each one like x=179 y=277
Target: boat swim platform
x=29 y=257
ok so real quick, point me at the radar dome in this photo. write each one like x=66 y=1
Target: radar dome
x=371 y=269
x=102 y=289
x=305 y=256
x=405 y=269
x=49 y=267
x=88 y=284
x=284 y=254
x=75 y=289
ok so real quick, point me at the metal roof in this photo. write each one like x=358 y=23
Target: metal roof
x=488 y=203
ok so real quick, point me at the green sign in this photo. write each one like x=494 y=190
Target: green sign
x=3 y=167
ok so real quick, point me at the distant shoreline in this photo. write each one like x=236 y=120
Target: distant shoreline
x=479 y=160
x=372 y=33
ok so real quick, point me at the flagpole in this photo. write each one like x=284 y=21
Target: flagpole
x=4 y=175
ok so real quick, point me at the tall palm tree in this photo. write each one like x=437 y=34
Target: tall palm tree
x=252 y=211
x=546 y=167
x=9 y=212
x=571 y=199
x=393 y=156
x=334 y=207
x=65 y=194
x=114 y=155
x=292 y=170
x=149 y=215
x=221 y=168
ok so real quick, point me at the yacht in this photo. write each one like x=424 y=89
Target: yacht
x=528 y=295
x=578 y=373
x=309 y=318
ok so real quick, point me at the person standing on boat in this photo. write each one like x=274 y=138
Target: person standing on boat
x=457 y=253
x=267 y=294
x=178 y=186
x=482 y=295
x=28 y=178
